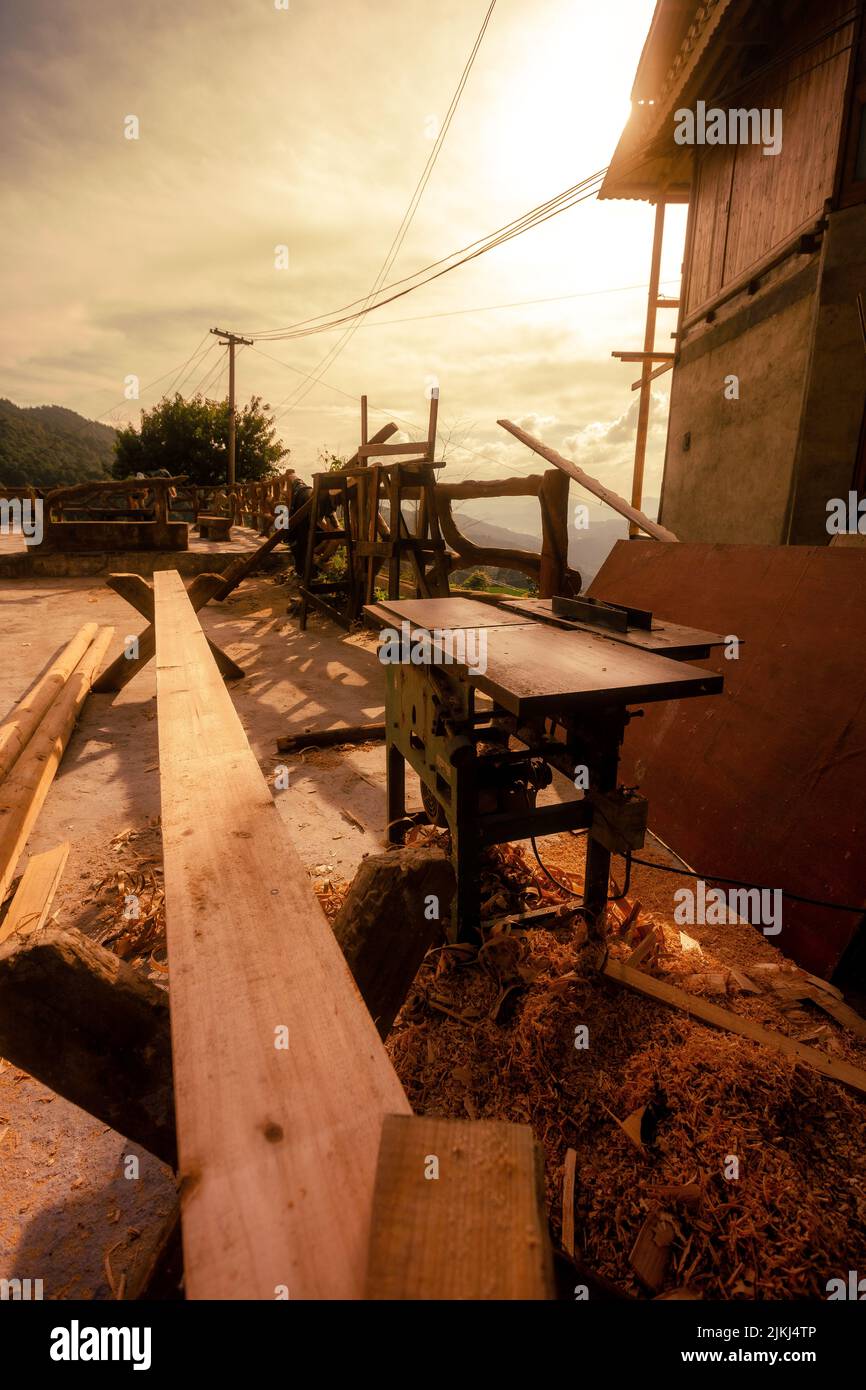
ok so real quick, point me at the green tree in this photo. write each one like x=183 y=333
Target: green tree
x=191 y=437
x=476 y=580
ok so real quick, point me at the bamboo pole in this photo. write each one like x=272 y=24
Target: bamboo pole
x=25 y=789
x=27 y=714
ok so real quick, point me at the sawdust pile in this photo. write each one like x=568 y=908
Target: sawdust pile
x=490 y=1032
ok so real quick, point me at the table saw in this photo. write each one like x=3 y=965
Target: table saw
x=555 y=690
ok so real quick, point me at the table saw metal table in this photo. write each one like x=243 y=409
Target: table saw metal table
x=556 y=698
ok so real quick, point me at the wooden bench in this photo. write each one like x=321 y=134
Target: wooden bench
x=215 y=528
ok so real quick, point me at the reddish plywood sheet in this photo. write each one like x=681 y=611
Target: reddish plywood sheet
x=767 y=782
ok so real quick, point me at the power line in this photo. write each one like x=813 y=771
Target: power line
x=408 y=216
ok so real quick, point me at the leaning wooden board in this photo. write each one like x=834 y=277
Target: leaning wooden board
x=277 y=1146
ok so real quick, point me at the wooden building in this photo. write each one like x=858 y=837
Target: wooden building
x=769 y=376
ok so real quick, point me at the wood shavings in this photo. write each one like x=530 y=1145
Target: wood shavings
x=794 y=1216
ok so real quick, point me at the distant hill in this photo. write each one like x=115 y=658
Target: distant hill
x=50 y=446
x=587 y=550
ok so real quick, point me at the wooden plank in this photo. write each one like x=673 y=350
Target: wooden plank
x=701 y=1009
x=619 y=504
x=39 y=882
x=458 y=1212
x=277 y=1145
x=123 y=669
x=26 y=787
x=25 y=717
x=139 y=595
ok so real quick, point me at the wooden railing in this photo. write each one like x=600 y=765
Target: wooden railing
x=549 y=569
x=132 y=514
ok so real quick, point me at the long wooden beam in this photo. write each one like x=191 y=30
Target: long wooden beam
x=281 y=1081
x=613 y=499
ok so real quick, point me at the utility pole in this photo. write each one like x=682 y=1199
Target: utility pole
x=230 y=340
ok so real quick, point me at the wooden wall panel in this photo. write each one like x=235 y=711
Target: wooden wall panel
x=768 y=781
x=772 y=196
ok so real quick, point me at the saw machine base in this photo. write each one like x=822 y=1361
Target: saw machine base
x=555 y=700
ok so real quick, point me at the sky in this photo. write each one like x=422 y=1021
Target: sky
x=305 y=124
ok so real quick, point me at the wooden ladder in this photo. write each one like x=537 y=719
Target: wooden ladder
x=324 y=594
x=412 y=477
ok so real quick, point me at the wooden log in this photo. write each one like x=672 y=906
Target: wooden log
x=613 y=499
x=528 y=485
x=86 y=1024
x=25 y=717
x=281 y=1081
x=326 y=738
x=459 y=1212
x=26 y=787
x=389 y=919
x=699 y=1008
x=34 y=894
x=553 y=499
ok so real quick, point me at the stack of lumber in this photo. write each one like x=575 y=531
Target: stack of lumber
x=33 y=740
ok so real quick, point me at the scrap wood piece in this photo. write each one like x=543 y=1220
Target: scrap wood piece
x=139 y=594
x=24 y=719
x=388 y=921
x=458 y=1212
x=619 y=504
x=26 y=787
x=326 y=738
x=568 y=1174
x=33 y=896
x=699 y=1008
x=281 y=1080
x=651 y=1251
x=643 y=948
x=689 y=1193
x=86 y=1024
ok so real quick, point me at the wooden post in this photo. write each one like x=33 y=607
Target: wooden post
x=646 y=370
x=553 y=500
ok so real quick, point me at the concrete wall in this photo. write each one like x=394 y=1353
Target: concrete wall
x=732 y=478
x=836 y=381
